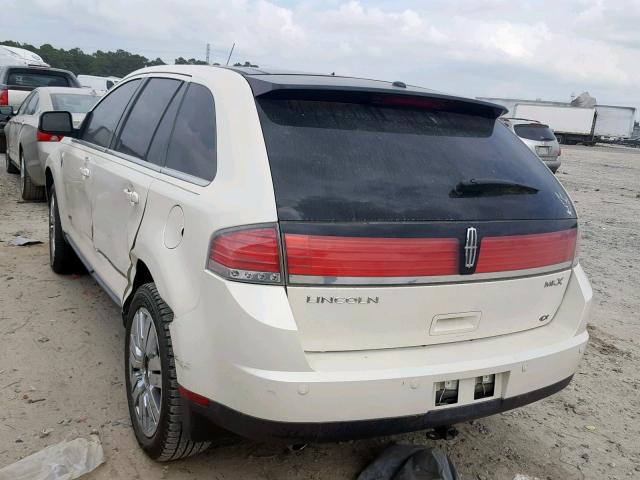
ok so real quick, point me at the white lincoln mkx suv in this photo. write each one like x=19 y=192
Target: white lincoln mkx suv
x=313 y=257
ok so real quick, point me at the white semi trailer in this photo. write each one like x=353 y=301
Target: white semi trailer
x=571 y=124
x=614 y=123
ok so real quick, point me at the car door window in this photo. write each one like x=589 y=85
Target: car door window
x=192 y=148
x=142 y=120
x=158 y=149
x=105 y=116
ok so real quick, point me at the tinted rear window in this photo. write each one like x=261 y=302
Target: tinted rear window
x=73 y=103
x=367 y=162
x=541 y=133
x=37 y=79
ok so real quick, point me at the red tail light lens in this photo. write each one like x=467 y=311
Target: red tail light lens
x=47 y=137
x=328 y=256
x=248 y=254
x=521 y=252
x=4 y=97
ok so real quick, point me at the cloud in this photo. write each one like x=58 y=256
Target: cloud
x=552 y=48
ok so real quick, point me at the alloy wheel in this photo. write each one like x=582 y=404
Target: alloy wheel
x=145 y=372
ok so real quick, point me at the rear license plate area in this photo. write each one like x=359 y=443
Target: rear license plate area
x=543 y=150
x=447 y=393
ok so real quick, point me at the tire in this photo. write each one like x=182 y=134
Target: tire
x=11 y=168
x=62 y=258
x=150 y=372
x=28 y=189
x=3 y=143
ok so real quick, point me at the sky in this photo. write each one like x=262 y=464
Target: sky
x=523 y=49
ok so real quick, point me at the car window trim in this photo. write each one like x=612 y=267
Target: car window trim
x=200 y=182
x=133 y=159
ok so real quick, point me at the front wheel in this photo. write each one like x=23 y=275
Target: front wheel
x=155 y=406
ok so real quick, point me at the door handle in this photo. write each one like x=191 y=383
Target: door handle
x=85 y=172
x=132 y=195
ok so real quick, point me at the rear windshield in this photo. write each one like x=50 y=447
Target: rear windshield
x=37 y=79
x=73 y=103
x=368 y=162
x=541 y=133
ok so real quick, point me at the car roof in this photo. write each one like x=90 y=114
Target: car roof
x=263 y=80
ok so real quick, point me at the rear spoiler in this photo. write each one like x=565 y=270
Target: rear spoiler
x=401 y=97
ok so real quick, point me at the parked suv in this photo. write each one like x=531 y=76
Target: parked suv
x=316 y=257
x=16 y=82
x=539 y=138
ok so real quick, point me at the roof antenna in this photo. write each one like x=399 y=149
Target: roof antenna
x=232 y=47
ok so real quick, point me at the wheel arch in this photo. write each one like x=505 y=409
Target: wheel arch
x=142 y=274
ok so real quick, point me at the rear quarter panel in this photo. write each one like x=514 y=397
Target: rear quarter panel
x=241 y=193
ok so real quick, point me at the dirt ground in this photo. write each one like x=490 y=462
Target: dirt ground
x=61 y=363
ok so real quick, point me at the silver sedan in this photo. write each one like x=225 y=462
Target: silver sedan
x=27 y=147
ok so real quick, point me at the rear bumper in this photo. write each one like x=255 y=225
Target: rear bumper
x=261 y=384
x=202 y=420
x=552 y=164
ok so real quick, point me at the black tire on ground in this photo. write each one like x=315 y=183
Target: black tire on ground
x=171 y=440
x=3 y=143
x=28 y=189
x=62 y=258
x=11 y=168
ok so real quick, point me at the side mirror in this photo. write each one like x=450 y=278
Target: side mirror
x=6 y=110
x=56 y=123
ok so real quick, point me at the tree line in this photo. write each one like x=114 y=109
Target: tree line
x=118 y=63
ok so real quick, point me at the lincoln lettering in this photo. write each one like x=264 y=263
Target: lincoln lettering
x=344 y=300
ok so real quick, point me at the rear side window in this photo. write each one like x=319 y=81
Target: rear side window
x=382 y=158
x=73 y=103
x=533 y=131
x=143 y=118
x=192 y=149
x=105 y=117
x=26 y=78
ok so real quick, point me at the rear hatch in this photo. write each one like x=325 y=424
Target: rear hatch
x=408 y=220
x=21 y=81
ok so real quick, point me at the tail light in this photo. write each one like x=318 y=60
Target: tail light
x=246 y=254
x=311 y=256
x=47 y=137
x=4 y=97
x=522 y=252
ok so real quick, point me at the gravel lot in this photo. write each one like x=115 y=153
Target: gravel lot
x=61 y=363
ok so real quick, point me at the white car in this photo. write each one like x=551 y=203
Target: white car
x=316 y=257
x=27 y=147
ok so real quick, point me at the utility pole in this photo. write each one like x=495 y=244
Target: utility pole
x=208 y=52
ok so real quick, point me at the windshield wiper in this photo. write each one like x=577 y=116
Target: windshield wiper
x=477 y=187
